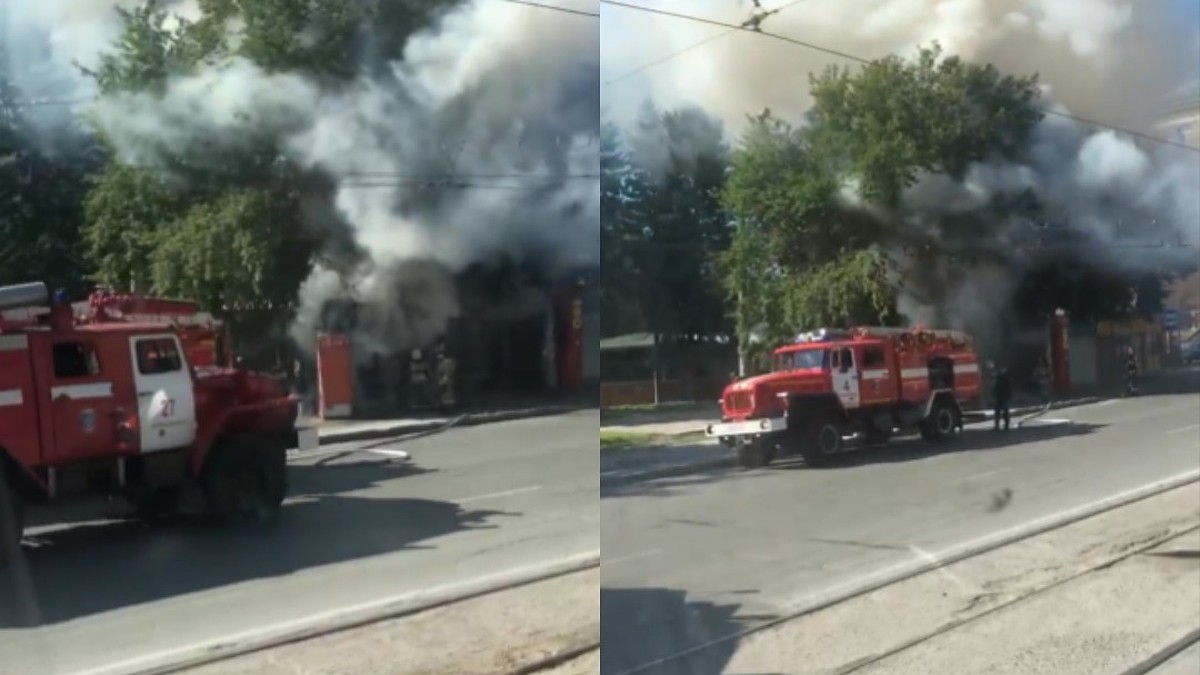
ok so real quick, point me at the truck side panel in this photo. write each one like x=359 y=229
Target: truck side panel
x=19 y=414
x=86 y=391
x=880 y=376
x=913 y=370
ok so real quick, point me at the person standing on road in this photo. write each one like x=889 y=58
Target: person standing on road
x=1131 y=372
x=1001 y=397
x=1041 y=374
x=446 y=367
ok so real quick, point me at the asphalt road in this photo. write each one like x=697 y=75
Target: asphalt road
x=474 y=502
x=690 y=559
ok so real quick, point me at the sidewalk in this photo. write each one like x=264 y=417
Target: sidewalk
x=351 y=430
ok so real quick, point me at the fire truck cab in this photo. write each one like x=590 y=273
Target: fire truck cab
x=834 y=390
x=94 y=406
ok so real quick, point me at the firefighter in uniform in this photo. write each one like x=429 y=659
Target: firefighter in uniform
x=1041 y=374
x=419 y=378
x=1001 y=396
x=1131 y=372
x=446 y=367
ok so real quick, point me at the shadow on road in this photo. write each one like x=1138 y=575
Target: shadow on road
x=971 y=440
x=908 y=449
x=670 y=485
x=639 y=626
x=96 y=568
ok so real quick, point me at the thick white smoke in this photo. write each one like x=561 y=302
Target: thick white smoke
x=483 y=142
x=1115 y=58
x=1118 y=62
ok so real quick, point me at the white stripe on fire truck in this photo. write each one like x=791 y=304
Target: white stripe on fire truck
x=910 y=372
x=83 y=391
x=10 y=397
x=13 y=343
x=874 y=374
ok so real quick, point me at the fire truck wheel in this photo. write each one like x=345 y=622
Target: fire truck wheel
x=245 y=479
x=940 y=425
x=824 y=444
x=12 y=520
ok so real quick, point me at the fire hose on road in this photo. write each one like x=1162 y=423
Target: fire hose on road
x=1037 y=413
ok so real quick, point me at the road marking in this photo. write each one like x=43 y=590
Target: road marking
x=497 y=495
x=629 y=558
x=980 y=476
x=1180 y=430
x=965 y=586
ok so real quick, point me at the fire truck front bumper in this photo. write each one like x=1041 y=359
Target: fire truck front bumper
x=747 y=428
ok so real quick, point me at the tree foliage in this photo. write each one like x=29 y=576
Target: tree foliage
x=895 y=118
x=663 y=225
x=824 y=235
x=621 y=192
x=41 y=190
x=217 y=223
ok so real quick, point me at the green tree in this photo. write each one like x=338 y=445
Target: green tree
x=824 y=230
x=800 y=257
x=222 y=224
x=622 y=192
x=894 y=118
x=41 y=193
x=680 y=227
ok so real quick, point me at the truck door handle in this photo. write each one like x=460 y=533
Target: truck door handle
x=145 y=393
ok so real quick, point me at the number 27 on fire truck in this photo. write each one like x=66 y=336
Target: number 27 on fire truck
x=94 y=405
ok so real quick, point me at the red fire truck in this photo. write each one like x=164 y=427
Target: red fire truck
x=95 y=405
x=835 y=389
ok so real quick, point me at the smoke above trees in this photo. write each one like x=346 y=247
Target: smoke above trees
x=288 y=157
x=936 y=205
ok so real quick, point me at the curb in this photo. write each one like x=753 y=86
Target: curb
x=684 y=468
x=558 y=659
x=949 y=556
x=343 y=620
x=465 y=420
x=1165 y=654
x=669 y=471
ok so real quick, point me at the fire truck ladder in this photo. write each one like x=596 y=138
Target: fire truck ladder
x=891 y=332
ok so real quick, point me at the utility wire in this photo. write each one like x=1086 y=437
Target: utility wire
x=748 y=27
x=701 y=43
x=567 y=10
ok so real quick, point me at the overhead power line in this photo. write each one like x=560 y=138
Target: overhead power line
x=696 y=45
x=556 y=8
x=748 y=27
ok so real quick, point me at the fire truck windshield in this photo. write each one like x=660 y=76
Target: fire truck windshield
x=802 y=359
